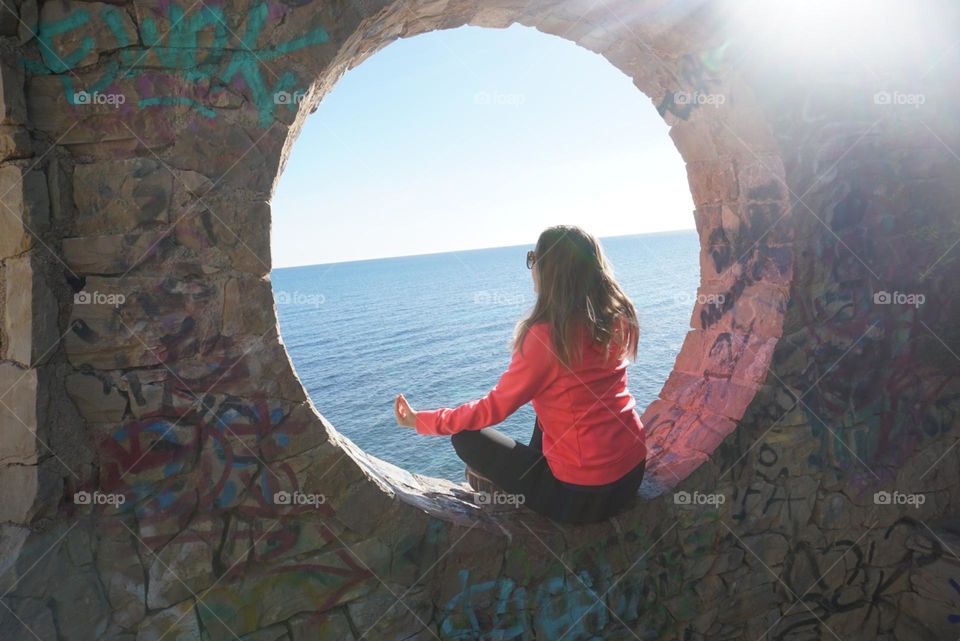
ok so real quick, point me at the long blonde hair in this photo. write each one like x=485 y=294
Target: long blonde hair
x=578 y=289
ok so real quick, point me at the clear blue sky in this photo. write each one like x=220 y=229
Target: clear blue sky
x=471 y=138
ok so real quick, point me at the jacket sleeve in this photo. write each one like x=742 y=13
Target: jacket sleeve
x=530 y=371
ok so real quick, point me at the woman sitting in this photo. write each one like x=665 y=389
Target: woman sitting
x=586 y=457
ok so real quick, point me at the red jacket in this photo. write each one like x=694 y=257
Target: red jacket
x=592 y=434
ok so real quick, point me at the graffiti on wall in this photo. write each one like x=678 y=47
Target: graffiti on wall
x=843 y=576
x=559 y=607
x=172 y=67
x=863 y=322
x=697 y=76
x=587 y=598
x=210 y=457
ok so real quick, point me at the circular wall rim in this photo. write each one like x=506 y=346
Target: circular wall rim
x=737 y=181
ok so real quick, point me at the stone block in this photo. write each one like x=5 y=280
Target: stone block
x=768 y=548
x=756 y=310
x=13 y=107
x=28 y=614
x=176 y=623
x=118 y=564
x=113 y=254
x=122 y=196
x=721 y=353
x=14 y=143
x=233 y=156
x=248 y=365
x=227 y=233
x=105 y=28
x=146 y=391
x=329 y=625
x=12 y=540
x=709 y=224
x=248 y=306
x=597 y=39
x=301 y=430
x=493 y=18
x=707 y=432
x=117 y=323
x=694 y=140
x=713 y=305
x=342 y=575
x=30 y=314
x=79 y=598
x=29 y=17
x=9 y=20
x=381 y=616
x=712 y=181
x=762 y=179
x=18 y=415
x=727 y=398
x=19 y=490
x=699 y=429
x=25 y=209
x=690 y=358
x=686 y=390
x=182 y=568
x=764 y=221
x=668 y=471
x=101 y=125
x=752 y=366
x=660 y=416
x=720 y=262
x=97 y=400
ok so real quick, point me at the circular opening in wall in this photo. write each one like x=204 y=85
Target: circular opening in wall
x=733 y=169
x=410 y=198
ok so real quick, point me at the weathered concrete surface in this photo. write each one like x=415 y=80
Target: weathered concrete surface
x=163 y=475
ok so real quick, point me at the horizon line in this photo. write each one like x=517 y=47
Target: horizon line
x=473 y=249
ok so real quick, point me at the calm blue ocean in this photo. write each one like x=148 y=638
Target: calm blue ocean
x=437 y=328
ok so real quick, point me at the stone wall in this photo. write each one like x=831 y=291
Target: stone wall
x=153 y=430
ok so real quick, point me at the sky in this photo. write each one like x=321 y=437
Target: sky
x=471 y=138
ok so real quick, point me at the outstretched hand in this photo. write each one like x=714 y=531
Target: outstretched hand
x=404 y=414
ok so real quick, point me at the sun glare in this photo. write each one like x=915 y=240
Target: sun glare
x=873 y=31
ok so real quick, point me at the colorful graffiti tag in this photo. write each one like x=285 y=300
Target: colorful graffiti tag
x=188 y=72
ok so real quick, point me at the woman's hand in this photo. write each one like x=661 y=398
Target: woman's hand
x=404 y=414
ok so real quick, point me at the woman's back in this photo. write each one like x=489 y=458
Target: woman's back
x=591 y=432
x=587 y=454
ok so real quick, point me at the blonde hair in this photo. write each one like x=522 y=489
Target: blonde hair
x=578 y=289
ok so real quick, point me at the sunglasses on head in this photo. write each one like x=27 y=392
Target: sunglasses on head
x=531 y=259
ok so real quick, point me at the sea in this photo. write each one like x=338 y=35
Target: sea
x=437 y=327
